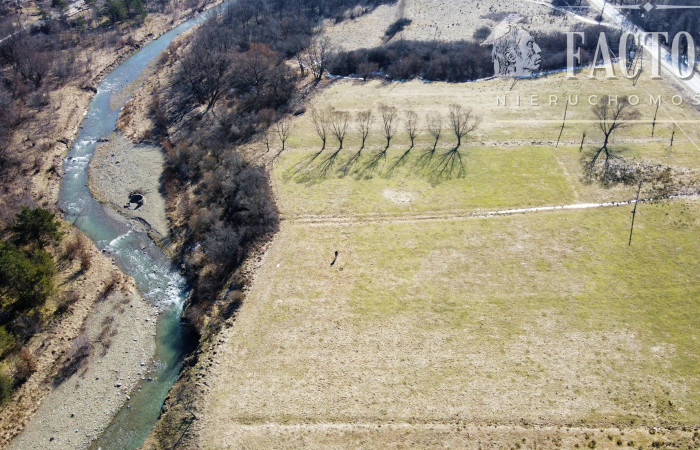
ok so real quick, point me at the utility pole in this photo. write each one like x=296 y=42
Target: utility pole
x=653 y=124
x=563 y=123
x=673 y=135
x=634 y=211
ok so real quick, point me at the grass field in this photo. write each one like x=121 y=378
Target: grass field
x=547 y=318
x=438 y=326
x=511 y=161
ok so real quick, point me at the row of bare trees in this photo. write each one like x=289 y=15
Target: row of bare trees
x=612 y=114
x=327 y=122
x=330 y=123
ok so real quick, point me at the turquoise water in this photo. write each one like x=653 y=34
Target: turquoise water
x=135 y=253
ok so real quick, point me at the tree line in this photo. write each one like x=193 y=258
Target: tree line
x=603 y=162
x=455 y=62
x=333 y=124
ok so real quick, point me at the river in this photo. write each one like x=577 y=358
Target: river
x=135 y=253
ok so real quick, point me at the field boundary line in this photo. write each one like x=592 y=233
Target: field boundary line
x=321 y=220
x=447 y=425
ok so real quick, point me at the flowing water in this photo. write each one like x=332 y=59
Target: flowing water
x=136 y=254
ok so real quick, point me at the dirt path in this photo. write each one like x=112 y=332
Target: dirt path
x=342 y=220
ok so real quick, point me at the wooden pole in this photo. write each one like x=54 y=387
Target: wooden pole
x=583 y=138
x=563 y=123
x=673 y=135
x=634 y=211
x=653 y=124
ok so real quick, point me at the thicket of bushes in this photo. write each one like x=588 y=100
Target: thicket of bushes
x=455 y=61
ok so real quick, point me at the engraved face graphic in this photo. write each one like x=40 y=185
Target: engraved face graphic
x=515 y=52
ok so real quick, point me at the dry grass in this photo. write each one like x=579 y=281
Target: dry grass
x=546 y=318
x=541 y=327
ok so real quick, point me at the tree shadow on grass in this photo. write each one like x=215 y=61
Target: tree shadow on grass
x=449 y=165
x=315 y=174
x=367 y=171
x=300 y=168
x=399 y=162
x=424 y=162
x=349 y=164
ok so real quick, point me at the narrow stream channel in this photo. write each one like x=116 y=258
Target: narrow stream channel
x=135 y=253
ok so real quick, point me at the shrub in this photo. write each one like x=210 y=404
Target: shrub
x=482 y=33
x=77 y=249
x=26 y=278
x=458 y=61
x=24 y=326
x=66 y=302
x=367 y=69
x=38 y=99
x=115 y=10
x=25 y=367
x=7 y=341
x=85 y=258
x=72 y=249
x=110 y=287
x=5 y=388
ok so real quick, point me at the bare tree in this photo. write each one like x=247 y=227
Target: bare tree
x=412 y=131
x=388 y=114
x=283 y=129
x=299 y=57
x=412 y=126
x=463 y=122
x=204 y=70
x=613 y=114
x=435 y=125
x=364 y=124
x=338 y=121
x=25 y=53
x=339 y=126
x=317 y=56
x=366 y=69
x=364 y=121
x=320 y=119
